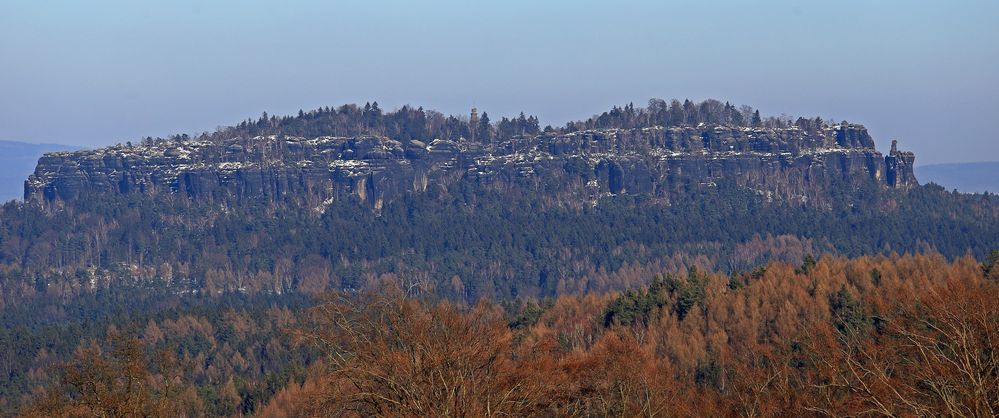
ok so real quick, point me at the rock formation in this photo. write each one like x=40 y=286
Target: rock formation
x=781 y=164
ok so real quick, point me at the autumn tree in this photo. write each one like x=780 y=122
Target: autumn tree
x=388 y=355
x=117 y=379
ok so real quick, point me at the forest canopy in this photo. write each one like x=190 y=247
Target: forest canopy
x=901 y=335
x=414 y=122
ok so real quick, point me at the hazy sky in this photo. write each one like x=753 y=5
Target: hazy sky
x=98 y=72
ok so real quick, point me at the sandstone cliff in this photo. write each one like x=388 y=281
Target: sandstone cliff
x=780 y=164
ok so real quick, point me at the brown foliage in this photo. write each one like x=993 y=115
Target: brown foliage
x=116 y=380
x=898 y=336
x=893 y=336
x=935 y=356
x=391 y=356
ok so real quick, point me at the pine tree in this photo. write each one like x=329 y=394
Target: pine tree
x=485 y=129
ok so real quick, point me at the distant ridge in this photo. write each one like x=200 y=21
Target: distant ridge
x=17 y=161
x=664 y=152
x=965 y=177
x=340 y=197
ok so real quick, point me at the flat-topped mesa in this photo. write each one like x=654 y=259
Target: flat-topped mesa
x=783 y=164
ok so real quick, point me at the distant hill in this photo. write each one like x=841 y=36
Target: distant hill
x=17 y=161
x=323 y=155
x=965 y=177
x=336 y=197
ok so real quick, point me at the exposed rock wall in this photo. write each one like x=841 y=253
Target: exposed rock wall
x=782 y=164
x=898 y=166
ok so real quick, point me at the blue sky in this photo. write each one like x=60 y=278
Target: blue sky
x=97 y=72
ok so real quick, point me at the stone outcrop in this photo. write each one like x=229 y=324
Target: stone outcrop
x=781 y=164
x=898 y=166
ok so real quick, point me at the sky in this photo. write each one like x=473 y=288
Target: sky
x=94 y=73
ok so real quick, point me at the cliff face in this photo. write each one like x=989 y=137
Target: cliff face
x=899 y=167
x=781 y=164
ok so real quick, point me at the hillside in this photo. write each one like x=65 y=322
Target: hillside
x=513 y=229
x=643 y=257
x=697 y=343
x=473 y=210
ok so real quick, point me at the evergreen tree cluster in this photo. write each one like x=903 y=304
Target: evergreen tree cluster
x=416 y=123
x=688 y=113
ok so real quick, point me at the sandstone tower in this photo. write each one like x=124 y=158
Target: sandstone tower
x=898 y=166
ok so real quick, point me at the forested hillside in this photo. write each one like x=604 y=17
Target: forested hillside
x=505 y=211
x=466 y=245
x=695 y=259
x=912 y=335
